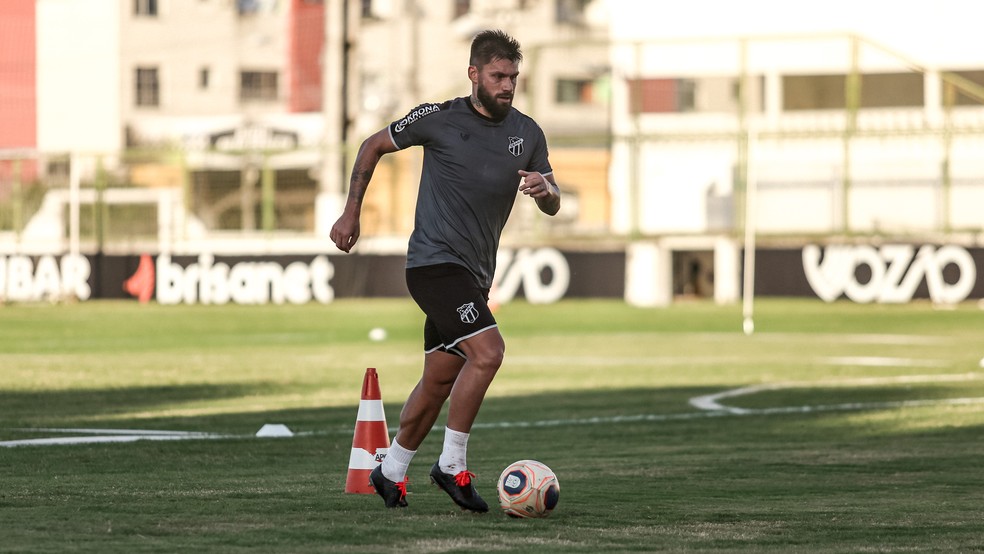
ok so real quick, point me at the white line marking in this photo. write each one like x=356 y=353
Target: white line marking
x=859 y=338
x=600 y=361
x=141 y=432
x=881 y=361
x=99 y=439
x=665 y=361
x=98 y=436
x=709 y=402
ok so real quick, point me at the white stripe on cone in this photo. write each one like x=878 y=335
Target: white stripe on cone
x=363 y=459
x=371 y=410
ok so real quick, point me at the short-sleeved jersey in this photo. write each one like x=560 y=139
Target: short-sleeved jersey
x=468 y=182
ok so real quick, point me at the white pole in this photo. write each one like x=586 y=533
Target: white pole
x=748 y=285
x=331 y=193
x=74 y=184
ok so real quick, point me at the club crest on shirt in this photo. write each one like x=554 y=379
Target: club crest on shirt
x=516 y=146
x=468 y=312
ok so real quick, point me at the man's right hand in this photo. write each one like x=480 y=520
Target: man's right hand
x=345 y=231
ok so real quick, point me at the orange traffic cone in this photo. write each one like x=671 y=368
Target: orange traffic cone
x=371 y=440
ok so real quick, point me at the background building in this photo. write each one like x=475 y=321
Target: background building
x=863 y=119
x=676 y=131
x=250 y=115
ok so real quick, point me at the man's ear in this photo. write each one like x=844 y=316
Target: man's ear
x=473 y=74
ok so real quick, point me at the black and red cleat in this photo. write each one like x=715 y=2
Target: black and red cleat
x=394 y=493
x=459 y=487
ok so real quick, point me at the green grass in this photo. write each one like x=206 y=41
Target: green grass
x=865 y=435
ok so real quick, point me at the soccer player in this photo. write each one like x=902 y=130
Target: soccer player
x=478 y=150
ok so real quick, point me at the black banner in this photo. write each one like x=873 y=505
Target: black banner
x=893 y=273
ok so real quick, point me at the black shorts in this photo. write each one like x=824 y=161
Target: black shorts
x=456 y=306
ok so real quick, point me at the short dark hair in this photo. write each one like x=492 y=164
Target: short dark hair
x=494 y=45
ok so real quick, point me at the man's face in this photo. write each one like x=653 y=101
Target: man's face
x=495 y=85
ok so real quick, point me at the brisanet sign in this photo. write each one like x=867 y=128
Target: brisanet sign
x=207 y=281
x=540 y=275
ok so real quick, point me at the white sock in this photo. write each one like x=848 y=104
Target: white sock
x=452 y=459
x=396 y=462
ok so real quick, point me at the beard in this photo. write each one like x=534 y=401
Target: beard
x=497 y=110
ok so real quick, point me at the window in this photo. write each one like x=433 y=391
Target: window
x=247 y=6
x=976 y=77
x=461 y=8
x=258 y=85
x=147 y=87
x=145 y=7
x=827 y=92
x=892 y=90
x=204 y=76
x=662 y=95
x=813 y=92
x=575 y=91
x=571 y=11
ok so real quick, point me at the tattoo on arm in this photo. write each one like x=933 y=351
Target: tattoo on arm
x=358 y=183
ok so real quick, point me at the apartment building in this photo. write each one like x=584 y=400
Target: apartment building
x=656 y=114
x=254 y=97
x=861 y=118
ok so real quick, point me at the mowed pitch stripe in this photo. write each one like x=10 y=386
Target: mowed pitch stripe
x=709 y=405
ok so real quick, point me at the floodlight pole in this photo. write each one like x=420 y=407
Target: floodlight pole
x=748 y=278
x=747 y=159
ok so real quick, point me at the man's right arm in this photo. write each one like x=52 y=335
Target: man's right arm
x=345 y=232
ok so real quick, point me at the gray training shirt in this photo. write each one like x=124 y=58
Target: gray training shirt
x=469 y=180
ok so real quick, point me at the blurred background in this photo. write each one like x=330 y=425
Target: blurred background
x=683 y=134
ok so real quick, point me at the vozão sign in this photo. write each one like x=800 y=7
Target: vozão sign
x=896 y=270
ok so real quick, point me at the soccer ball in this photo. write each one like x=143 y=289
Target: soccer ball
x=528 y=488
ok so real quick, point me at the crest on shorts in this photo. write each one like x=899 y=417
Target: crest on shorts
x=516 y=146
x=468 y=312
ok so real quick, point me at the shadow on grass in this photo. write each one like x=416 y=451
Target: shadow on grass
x=46 y=408
x=611 y=411
x=828 y=480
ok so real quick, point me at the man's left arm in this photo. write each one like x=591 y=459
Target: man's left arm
x=543 y=189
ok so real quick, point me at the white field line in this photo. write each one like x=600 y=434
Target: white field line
x=709 y=406
x=880 y=361
x=98 y=436
x=664 y=361
x=859 y=338
x=710 y=402
x=141 y=432
x=849 y=338
x=101 y=439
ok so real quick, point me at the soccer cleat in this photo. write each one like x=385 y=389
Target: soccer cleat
x=459 y=487
x=394 y=494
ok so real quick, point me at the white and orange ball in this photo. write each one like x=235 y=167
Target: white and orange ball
x=528 y=488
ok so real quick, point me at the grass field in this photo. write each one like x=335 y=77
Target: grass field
x=835 y=428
